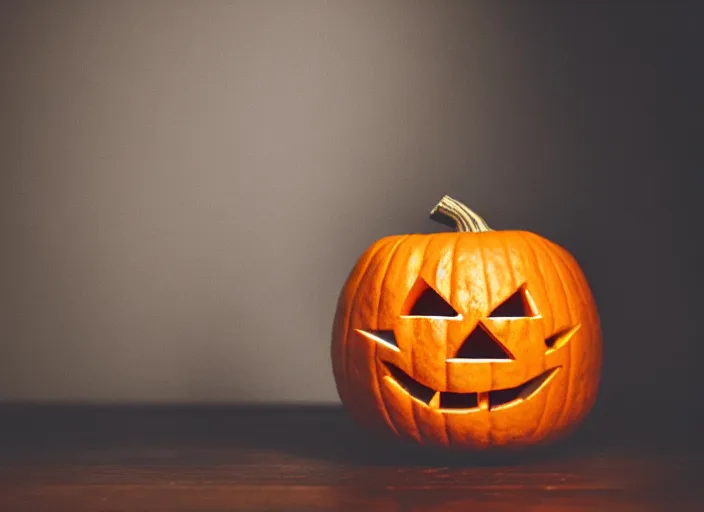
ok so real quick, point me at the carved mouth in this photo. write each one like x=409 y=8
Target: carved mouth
x=448 y=401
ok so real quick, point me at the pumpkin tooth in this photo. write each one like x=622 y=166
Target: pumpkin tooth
x=435 y=401
x=483 y=400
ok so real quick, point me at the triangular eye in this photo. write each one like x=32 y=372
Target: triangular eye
x=425 y=301
x=481 y=345
x=518 y=305
x=384 y=337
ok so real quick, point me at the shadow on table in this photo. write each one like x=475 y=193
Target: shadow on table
x=317 y=432
x=331 y=434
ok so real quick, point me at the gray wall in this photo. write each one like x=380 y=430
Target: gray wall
x=185 y=185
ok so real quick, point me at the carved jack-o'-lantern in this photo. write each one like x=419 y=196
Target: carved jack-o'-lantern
x=471 y=339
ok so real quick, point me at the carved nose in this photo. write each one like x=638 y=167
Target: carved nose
x=480 y=345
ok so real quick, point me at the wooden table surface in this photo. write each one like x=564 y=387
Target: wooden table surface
x=314 y=458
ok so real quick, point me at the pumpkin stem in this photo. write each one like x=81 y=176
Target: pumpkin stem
x=451 y=212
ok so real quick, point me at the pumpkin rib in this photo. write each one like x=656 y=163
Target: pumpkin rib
x=442 y=432
x=568 y=304
x=578 y=286
x=514 y=282
x=530 y=240
x=524 y=281
x=415 y=252
x=353 y=306
x=480 y=418
x=580 y=290
x=581 y=284
x=377 y=391
x=435 y=249
x=411 y=358
x=538 y=268
x=487 y=291
x=344 y=305
x=509 y=265
x=366 y=314
x=453 y=300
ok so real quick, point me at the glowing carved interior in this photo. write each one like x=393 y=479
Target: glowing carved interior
x=518 y=305
x=560 y=339
x=386 y=338
x=452 y=402
x=424 y=301
x=480 y=345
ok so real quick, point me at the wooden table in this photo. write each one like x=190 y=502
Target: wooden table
x=211 y=459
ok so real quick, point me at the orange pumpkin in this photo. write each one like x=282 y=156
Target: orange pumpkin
x=471 y=339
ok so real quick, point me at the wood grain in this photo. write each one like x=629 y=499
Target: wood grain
x=314 y=458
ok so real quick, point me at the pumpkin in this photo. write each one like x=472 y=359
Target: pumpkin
x=471 y=339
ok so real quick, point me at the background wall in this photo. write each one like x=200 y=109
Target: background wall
x=185 y=185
